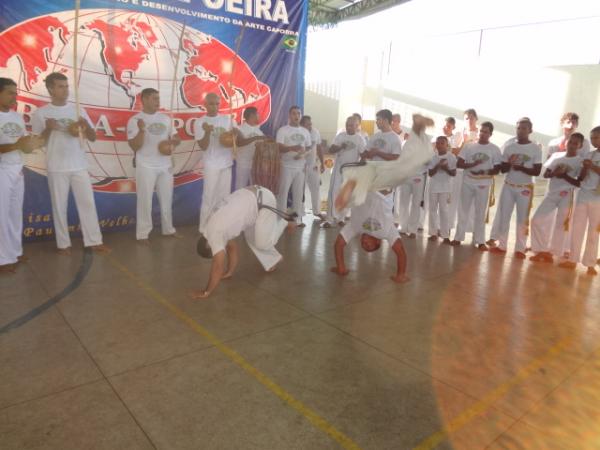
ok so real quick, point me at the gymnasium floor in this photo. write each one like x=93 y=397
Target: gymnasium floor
x=476 y=352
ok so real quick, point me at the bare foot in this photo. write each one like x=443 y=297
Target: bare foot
x=10 y=269
x=101 y=249
x=399 y=278
x=227 y=275
x=174 y=235
x=343 y=197
x=274 y=266
x=22 y=259
x=143 y=241
x=342 y=272
x=199 y=294
x=64 y=251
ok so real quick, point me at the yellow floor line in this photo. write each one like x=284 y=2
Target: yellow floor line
x=489 y=399
x=296 y=404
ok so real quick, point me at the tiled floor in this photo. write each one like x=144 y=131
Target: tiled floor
x=476 y=352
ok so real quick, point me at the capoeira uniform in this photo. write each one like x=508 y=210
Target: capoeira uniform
x=153 y=170
x=440 y=189
x=292 y=170
x=313 y=176
x=245 y=156
x=217 y=162
x=587 y=212
x=12 y=127
x=67 y=169
x=413 y=190
x=555 y=210
x=240 y=212
x=559 y=145
x=373 y=217
x=475 y=191
x=454 y=207
x=517 y=190
x=354 y=146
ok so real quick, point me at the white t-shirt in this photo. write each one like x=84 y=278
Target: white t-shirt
x=573 y=165
x=215 y=156
x=291 y=136
x=387 y=142
x=592 y=180
x=491 y=156
x=315 y=139
x=12 y=127
x=559 y=144
x=64 y=152
x=527 y=155
x=373 y=217
x=245 y=154
x=233 y=214
x=441 y=182
x=158 y=129
x=355 y=145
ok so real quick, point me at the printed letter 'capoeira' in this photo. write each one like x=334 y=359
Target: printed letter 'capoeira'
x=251 y=210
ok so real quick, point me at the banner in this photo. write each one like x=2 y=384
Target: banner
x=250 y=52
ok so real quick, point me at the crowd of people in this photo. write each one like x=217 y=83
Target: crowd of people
x=382 y=186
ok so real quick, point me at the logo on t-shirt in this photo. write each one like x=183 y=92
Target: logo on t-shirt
x=64 y=123
x=481 y=157
x=349 y=145
x=567 y=168
x=520 y=158
x=379 y=143
x=297 y=138
x=157 y=128
x=372 y=225
x=218 y=131
x=12 y=130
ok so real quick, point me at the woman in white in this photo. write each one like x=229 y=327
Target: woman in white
x=151 y=137
x=64 y=129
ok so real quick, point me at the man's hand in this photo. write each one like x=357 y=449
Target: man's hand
x=52 y=124
x=166 y=147
x=587 y=163
x=141 y=125
x=28 y=144
x=199 y=295
x=208 y=128
x=341 y=271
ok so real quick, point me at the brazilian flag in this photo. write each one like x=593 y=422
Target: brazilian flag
x=290 y=43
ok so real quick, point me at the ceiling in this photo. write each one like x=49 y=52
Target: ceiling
x=326 y=13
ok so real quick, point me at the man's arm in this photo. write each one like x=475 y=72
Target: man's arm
x=138 y=140
x=533 y=171
x=462 y=164
x=320 y=156
x=205 y=140
x=574 y=181
x=400 y=276
x=217 y=269
x=340 y=267
x=242 y=141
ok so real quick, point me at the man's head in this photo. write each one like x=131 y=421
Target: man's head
x=351 y=125
x=150 y=100
x=211 y=104
x=251 y=116
x=574 y=143
x=383 y=119
x=485 y=132
x=569 y=122
x=294 y=115
x=449 y=126
x=369 y=243
x=524 y=128
x=203 y=248
x=595 y=137
x=306 y=122
x=441 y=145
x=8 y=93
x=470 y=116
x=358 y=118
x=58 y=87
x=396 y=120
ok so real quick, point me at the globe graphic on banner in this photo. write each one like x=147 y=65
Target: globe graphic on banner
x=119 y=53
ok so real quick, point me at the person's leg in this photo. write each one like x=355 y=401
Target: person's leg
x=297 y=191
x=541 y=223
x=15 y=214
x=467 y=195
x=415 y=209
x=285 y=184
x=502 y=218
x=58 y=184
x=453 y=207
x=209 y=195
x=8 y=255
x=404 y=212
x=444 y=228
x=590 y=255
x=145 y=179
x=580 y=221
x=242 y=176
x=86 y=208
x=434 y=201
x=523 y=198
x=562 y=225
x=313 y=180
x=164 y=192
x=482 y=194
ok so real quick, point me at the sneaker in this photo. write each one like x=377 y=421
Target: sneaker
x=567 y=265
x=497 y=251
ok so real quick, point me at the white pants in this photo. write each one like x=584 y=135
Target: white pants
x=313 y=184
x=552 y=212
x=264 y=234
x=333 y=215
x=79 y=182
x=12 y=188
x=587 y=212
x=243 y=176
x=438 y=214
x=146 y=180
x=217 y=186
x=294 y=179
x=454 y=207
x=511 y=196
x=476 y=196
x=411 y=196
